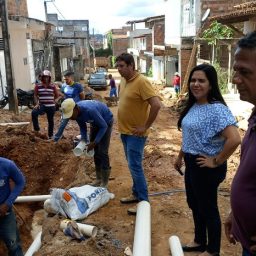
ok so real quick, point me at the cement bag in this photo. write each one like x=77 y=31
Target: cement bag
x=78 y=202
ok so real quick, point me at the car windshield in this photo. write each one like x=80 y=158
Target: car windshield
x=97 y=76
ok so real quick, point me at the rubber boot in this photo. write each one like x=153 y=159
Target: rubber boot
x=104 y=177
x=98 y=180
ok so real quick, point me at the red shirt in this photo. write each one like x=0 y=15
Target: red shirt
x=176 y=80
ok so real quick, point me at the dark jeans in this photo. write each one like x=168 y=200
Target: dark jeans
x=50 y=111
x=10 y=235
x=101 y=157
x=201 y=190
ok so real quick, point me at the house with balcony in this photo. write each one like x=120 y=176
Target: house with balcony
x=71 y=50
x=146 y=44
x=120 y=40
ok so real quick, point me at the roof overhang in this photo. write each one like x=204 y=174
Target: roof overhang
x=148 y=19
x=241 y=13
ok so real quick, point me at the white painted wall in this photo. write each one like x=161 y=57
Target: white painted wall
x=31 y=61
x=20 y=59
x=157 y=68
x=3 y=82
x=143 y=64
x=173 y=22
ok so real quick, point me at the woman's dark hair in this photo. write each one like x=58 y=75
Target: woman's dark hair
x=213 y=95
x=127 y=58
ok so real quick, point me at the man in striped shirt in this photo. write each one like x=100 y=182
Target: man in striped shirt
x=45 y=95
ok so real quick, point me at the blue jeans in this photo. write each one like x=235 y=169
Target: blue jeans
x=63 y=124
x=113 y=92
x=10 y=235
x=247 y=253
x=134 y=149
x=50 y=111
x=177 y=89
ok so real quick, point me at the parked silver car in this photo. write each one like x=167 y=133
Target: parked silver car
x=97 y=80
x=102 y=70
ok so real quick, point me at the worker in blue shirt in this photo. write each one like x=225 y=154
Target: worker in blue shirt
x=100 y=118
x=69 y=89
x=8 y=227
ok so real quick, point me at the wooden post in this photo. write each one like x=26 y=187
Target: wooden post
x=11 y=89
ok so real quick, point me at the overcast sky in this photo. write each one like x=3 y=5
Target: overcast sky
x=102 y=14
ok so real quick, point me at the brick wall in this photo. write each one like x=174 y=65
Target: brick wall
x=38 y=35
x=119 y=45
x=185 y=53
x=18 y=8
x=219 y=6
x=149 y=42
x=159 y=33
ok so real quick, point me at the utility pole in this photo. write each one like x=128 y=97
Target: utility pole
x=45 y=10
x=93 y=48
x=11 y=89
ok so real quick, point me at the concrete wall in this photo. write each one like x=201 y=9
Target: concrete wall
x=119 y=45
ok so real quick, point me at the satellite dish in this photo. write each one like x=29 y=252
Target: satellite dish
x=206 y=14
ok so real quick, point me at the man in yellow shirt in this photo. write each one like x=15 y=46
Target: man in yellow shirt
x=137 y=110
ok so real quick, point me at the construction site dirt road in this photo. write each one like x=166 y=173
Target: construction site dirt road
x=49 y=165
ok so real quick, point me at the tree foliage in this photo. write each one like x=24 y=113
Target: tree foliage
x=103 y=52
x=217 y=31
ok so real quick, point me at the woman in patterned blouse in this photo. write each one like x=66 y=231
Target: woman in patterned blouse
x=209 y=137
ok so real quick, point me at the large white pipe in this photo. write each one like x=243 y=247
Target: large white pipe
x=35 y=246
x=142 y=236
x=19 y=123
x=85 y=229
x=175 y=246
x=22 y=199
x=81 y=149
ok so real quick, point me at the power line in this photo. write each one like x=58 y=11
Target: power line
x=58 y=10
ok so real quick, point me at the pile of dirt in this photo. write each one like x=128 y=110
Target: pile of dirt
x=44 y=163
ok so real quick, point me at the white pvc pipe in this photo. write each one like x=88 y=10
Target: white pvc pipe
x=79 y=149
x=175 y=246
x=142 y=236
x=19 y=123
x=22 y=199
x=85 y=229
x=35 y=246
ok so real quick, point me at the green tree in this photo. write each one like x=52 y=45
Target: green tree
x=217 y=31
x=213 y=35
x=103 y=52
